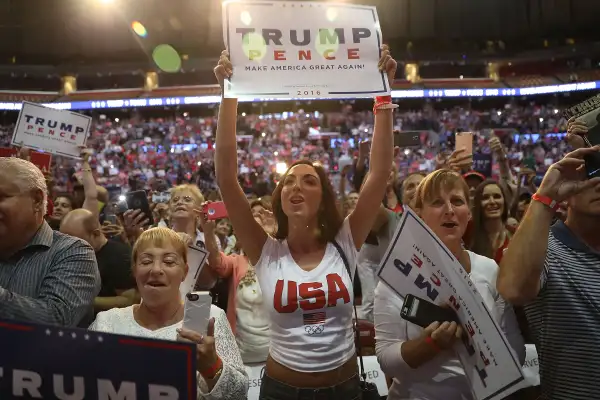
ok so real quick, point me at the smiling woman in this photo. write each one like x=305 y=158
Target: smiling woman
x=159 y=266
x=490 y=214
x=425 y=367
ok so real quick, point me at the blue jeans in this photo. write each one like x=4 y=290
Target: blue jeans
x=272 y=389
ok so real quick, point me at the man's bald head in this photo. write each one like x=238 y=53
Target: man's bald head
x=83 y=224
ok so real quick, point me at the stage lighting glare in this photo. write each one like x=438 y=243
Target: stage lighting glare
x=106 y=1
x=139 y=29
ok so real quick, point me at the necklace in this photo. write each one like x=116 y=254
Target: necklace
x=250 y=277
x=153 y=326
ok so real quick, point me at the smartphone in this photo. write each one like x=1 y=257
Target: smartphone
x=423 y=313
x=138 y=201
x=215 y=210
x=196 y=311
x=111 y=218
x=407 y=139
x=464 y=140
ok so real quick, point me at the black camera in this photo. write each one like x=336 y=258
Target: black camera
x=192 y=297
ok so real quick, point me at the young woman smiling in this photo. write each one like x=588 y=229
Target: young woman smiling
x=490 y=212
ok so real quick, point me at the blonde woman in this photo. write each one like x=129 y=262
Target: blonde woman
x=422 y=362
x=185 y=209
x=159 y=266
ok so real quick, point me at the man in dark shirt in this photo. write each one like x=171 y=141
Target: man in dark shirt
x=45 y=276
x=114 y=260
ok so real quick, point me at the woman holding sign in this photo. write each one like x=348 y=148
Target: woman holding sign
x=422 y=361
x=302 y=269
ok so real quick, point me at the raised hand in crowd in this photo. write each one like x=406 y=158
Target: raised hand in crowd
x=134 y=222
x=208 y=225
x=269 y=223
x=387 y=64
x=458 y=161
x=575 y=131
x=24 y=154
x=224 y=68
x=567 y=177
x=496 y=147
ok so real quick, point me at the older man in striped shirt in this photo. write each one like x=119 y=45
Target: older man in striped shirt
x=45 y=276
x=555 y=272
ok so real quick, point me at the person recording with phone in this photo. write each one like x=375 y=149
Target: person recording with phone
x=422 y=360
x=159 y=264
x=552 y=269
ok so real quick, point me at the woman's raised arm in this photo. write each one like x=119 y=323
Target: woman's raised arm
x=247 y=230
x=382 y=150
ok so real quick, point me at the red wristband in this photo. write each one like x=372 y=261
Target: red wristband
x=383 y=99
x=547 y=201
x=433 y=344
x=210 y=372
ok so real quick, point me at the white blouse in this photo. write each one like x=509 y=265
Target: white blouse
x=441 y=378
x=233 y=382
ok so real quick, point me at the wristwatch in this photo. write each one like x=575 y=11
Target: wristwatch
x=547 y=201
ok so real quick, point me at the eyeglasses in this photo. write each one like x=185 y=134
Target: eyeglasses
x=184 y=199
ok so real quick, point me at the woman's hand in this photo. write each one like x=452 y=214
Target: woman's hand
x=25 y=154
x=575 y=131
x=224 y=69
x=444 y=335
x=134 y=222
x=497 y=147
x=206 y=352
x=208 y=226
x=387 y=64
x=567 y=177
x=460 y=161
x=85 y=154
x=269 y=223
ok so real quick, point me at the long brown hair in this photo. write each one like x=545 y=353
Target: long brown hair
x=480 y=242
x=329 y=218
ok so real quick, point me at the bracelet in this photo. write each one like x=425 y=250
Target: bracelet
x=384 y=106
x=86 y=170
x=212 y=371
x=547 y=201
x=432 y=344
x=383 y=99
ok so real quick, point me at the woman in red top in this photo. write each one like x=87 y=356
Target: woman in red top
x=490 y=212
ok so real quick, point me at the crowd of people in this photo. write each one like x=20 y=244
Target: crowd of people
x=302 y=241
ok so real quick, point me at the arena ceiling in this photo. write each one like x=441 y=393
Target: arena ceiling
x=96 y=32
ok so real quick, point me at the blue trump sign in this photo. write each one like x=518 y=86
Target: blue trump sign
x=47 y=362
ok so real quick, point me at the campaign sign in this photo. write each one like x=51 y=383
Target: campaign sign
x=59 y=132
x=418 y=263
x=482 y=163
x=295 y=49
x=40 y=160
x=48 y=362
x=372 y=370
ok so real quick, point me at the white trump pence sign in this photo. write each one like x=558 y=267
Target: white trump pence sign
x=59 y=132
x=418 y=263
x=293 y=49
